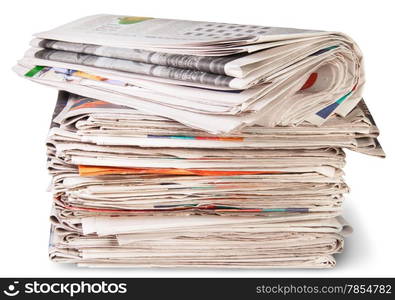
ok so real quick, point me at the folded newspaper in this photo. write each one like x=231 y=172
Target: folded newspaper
x=211 y=76
x=197 y=144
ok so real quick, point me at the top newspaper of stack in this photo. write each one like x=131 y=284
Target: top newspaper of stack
x=214 y=77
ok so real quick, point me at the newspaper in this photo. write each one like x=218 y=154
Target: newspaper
x=217 y=82
x=180 y=143
x=199 y=69
x=199 y=241
x=197 y=203
x=236 y=65
x=144 y=32
x=282 y=183
x=102 y=123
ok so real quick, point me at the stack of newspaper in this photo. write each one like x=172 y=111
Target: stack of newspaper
x=181 y=143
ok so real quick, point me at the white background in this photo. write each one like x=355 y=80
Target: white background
x=26 y=110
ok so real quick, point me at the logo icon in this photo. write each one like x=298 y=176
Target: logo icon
x=12 y=291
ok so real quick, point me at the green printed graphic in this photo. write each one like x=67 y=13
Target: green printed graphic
x=132 y=20
x=34 y=71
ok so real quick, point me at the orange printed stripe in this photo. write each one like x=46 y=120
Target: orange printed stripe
x=89 y=76
x=98 y=171
x=91 y=104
